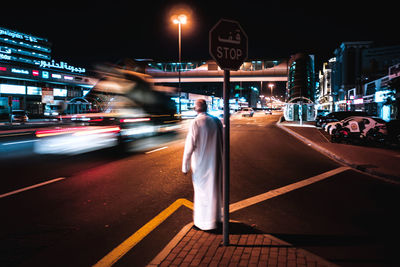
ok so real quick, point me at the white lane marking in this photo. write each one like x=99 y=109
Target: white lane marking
x=158 y=149
x=19 y=142
x=283 y=190
x=31 y=187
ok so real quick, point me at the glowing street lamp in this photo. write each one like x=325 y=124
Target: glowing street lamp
x=180 y=19
x=271 y=85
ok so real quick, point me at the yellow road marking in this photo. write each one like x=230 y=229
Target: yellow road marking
x=131 y=241
x=134 y=239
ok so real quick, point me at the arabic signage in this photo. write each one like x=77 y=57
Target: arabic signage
x=61 y=65
x=228 y=44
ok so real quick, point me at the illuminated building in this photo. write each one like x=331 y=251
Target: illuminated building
x=324 y=95
x=300 y=88
x=358 y=63
x=30 y=78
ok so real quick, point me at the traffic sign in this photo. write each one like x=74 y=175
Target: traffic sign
x=228 y=44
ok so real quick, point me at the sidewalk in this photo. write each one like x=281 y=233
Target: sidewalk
x=247 y=247
x=382 y=162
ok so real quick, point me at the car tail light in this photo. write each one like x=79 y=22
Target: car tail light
x=51 y=132
x=98 y=131
x=95 y=120
x=134 y=120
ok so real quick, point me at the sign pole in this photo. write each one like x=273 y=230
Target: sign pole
x=228 y=47
x=225 y=166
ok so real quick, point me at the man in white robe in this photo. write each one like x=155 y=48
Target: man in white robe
x=203 y=154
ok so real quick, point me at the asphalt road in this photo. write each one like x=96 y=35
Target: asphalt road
x=105 y=197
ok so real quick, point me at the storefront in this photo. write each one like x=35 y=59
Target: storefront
x=30 y=89
x=30 y=78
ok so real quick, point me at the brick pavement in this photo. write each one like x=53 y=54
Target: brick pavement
x=199 y=248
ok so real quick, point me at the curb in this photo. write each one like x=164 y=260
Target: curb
x=386 y=177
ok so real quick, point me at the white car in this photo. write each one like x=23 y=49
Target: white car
x=19 y=116
x=331 y=126
x=363 y=127
x=247 y=112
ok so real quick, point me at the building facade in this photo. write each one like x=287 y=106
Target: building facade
x=30 y=78
x=360 y=80
x=324 y=97
x=300 y=89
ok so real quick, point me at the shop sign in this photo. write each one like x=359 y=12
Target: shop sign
x=381 y=96
x=60 y=65
x=358 y=101
x=33 y=90
x=368 y=99
x=19 y=71
x=12 y=89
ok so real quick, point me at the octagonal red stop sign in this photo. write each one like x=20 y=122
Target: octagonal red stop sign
x=228 y=44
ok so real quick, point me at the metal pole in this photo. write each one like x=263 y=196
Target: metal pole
x=179 y=69
x=225 y=183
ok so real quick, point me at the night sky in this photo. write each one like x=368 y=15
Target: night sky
x=106 y=31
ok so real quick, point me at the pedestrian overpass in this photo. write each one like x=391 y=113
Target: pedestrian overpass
x=252 y=71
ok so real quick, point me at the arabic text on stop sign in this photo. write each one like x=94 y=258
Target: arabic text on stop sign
x=229 y=53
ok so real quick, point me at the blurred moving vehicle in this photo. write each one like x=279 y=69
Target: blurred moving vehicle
x=268 y=111
x=124 y=106
x=322 y=119
x=247 y=112
x=190 y=113
x=218 y=113
x=56 y=108
x=19 y=116
x=365 y=128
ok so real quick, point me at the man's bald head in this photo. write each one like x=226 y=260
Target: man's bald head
x=200 y=105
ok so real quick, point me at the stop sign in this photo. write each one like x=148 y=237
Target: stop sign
x=228 y=44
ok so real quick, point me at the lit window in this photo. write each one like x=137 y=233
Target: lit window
x=59 y=92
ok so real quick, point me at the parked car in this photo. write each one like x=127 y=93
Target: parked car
x=357 y=127
x=19 y=116
x=321 y=120
x=268 y=111
x=247 y=112
x=332 y=126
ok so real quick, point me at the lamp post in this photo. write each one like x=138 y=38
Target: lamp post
x=271 y=85
x=180 y=19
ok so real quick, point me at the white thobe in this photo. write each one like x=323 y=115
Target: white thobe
x=203 y=154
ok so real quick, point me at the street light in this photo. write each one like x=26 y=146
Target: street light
x=271 y=85
x=180 y=19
